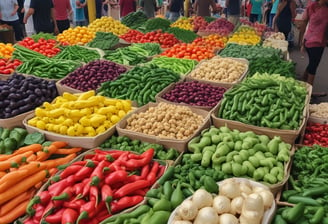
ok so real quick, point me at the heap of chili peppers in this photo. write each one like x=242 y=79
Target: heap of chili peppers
x=316 y=133
x=91 y=190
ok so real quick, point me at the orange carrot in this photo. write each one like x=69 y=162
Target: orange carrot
x=64 y=151
x=13 y=214
x=14 y=161
x=46 y=153
x=31 y=158
x=8 y=206
x=22 y=185
x=33 y=148
x=60 y=161
x=59 y=144
x=2 y=173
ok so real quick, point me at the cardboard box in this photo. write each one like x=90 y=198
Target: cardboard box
x=159 y=98
x=180 y=145
x=218 y=83
x=288 y=136
x=73 y=141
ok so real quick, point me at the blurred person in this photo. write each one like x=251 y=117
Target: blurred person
x=266 y=12
x=273 y=12
x=233 y=11
x=127 y=6
x=149 y=7
x=9 y=16
x=79 y=10
x=175 y=8
x=202 y=7
x=314 y=36
x=256 y=12
x=286 y=12
x=63 y=10
x=248 y=8
x=99 y=7
x=21 y=12
x=43 y=13
x=29 y=26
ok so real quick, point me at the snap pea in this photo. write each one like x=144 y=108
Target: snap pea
x=178 y=65
x=78 y=53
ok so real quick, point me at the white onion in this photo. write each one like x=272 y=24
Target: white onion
x=207 y=215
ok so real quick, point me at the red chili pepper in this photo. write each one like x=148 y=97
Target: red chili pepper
x=69 y=216
x=87 y=211
x=133 y=178
x=39 y=209
x=115 y=177
x=153 y=172
x=103 y=215
x=131 y=187
x=141 y=192
x=55 y=217
x=98 y=171
x=56 y=188
x=29 y=221
x=45 y=197
x=74 y=203
x=86 y=188
x=106 y=195
x=144 y=171
x=72 y=169
x=94 y=194
x=47 y=210
x=85 y=171
x=146 y=157
x=125 y=202
x=88 y=157
x=160 y=172
x=78 y=188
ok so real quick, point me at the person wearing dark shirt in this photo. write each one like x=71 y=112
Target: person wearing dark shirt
x=233 y=10
x=202 y=7
x=43 y=16
x=175 y=7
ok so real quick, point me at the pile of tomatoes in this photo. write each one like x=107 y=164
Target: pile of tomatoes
x=46 y=47
x=8 y=66
x=212 y=42
x=166 y=40
x=189 y=51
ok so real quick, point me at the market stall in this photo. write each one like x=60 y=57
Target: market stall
x=147 y=121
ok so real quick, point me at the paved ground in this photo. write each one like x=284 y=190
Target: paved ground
x=321 y=81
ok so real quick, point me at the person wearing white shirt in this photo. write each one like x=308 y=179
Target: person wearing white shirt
x=9 y=16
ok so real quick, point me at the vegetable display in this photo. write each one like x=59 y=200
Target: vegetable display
x=11 y=139
x=104 y=40
x=46 y=47
x=45 y=36
x=199 y=23
x=319 y=110
x=77 y=35
x=184 y=23
x=6 y=50
x=134 y=19
x=24 y=54
x=80 y=115
x=195 y=93
x=219 y=26
x=134 y=54
x=266 y=100
x=156 y=24
x=188 y=51
x=219 y=69
x=316 y=133
x=20 y=94
x=213 y=42
x=249 y=52
x=8 y=66
x=245 y=36
x=102 y=184
x=180 y=66
x=25 y=171
x=91 y=75
x=126 y=144
x=78 y=53
x=185 y=36
x=307 y=188
x=237 y=202
x=140 y=84
x=272 y=65
x=49 y=68
x=241 y=154
x=108 y=24
x=166 y=121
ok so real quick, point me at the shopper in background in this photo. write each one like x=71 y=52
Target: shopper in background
x=248 y=8
x=286 y=12
x=233 y=11
x=99 y=6
x=256 y=12
x=175 y=7
x=44 y=19
x=8 y=15
x=149 y=7
x=202 y=7
x=79 y=9
x=127 y=6
x=273 y=12
x=29 y=26
x=315 y=32
x=63 y=10
x=21 y=12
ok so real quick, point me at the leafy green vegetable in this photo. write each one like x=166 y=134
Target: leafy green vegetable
x=156 y=24
x=104 y=40
x=186 y=36
x=134 y=19
x=34 y=138
x=45 y=36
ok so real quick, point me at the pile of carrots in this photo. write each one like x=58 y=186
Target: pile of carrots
x=25 y=171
